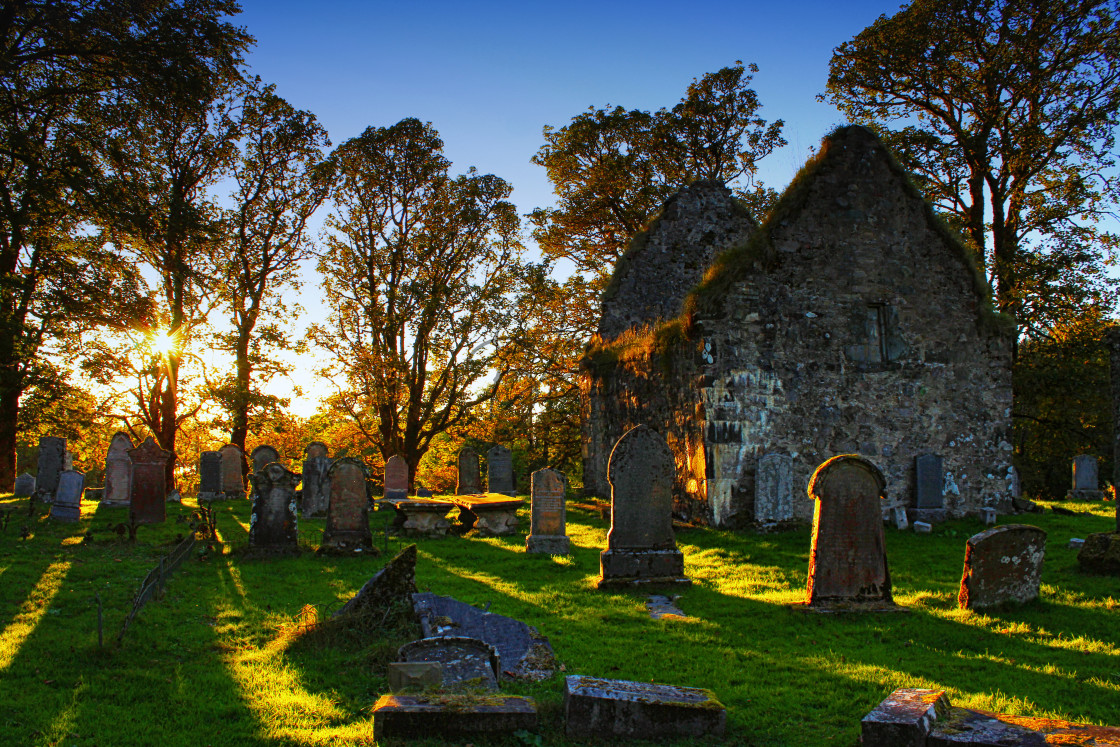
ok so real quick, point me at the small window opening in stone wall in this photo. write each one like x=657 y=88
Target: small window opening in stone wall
x=876 y=335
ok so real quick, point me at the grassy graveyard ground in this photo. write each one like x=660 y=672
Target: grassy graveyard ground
x=220 y=661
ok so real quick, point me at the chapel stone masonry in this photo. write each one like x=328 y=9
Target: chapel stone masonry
x=851 y=322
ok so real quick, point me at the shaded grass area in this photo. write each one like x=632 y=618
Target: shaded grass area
x=223 y=658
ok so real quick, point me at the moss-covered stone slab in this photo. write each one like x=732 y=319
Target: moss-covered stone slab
x=451 y=714
x=904 y=719
x=639 y=710
x=1101 y=553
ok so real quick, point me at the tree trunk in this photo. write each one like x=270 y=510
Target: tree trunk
x=239 y=429
x=168 y=427
x=9 y=418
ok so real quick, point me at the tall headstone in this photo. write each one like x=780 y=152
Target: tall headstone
x=396 y=478
x=52 y=451
x=1085 y=485
x=641 y=547
x=773 y=489
x=262 y=456
x=210 y=476
x=148 y=498
x=316 y=486
x=1002 y=564
x=233 y=484
x=929 y=489
x=272 y=526
x=470 y=476
x=118 y=471
x=548 y=530
x=848 y=558
x=499 y=471
x=67 y=505
x=25 y=486
x=347 y=527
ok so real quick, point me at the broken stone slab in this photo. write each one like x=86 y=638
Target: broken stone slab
x=1002 y=564
x=661 y=606
x=451 y=714
x=394 y=584
x=1101 y=553
x=415 y=675
x=465 y=662
x=922 y=527
x=639 y=710
x=523 y=652
x=489 y=517
x=899 y=518
x=904 y=719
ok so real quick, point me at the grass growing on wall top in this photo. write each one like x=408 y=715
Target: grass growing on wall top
x=220 y=661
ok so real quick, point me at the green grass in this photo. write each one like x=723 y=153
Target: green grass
x=219 y=661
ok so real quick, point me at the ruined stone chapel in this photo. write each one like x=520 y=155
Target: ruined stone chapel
x=851 y=322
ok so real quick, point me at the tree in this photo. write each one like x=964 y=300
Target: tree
x=418 y=269
x=1011 y=109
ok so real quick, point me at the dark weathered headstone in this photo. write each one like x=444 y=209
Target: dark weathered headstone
x=396 y=478
x=262 y=456
x=148 y=498
x=273 y=526
x=52 y=450
x=25 y=485
x=1100 y=553
x=470 y=476
x=442 y=715
x=67 y=505
x=465 y=662
x=773 y=489
x=848 y=559
x=210 y=476
x=548 y=528
x=1002 y=564
x=930 y=481
x=391 y=586
x=347 y=527
x=316 y=486
x=499 y=471
x=1085 y=485
x=601 y=708
x=641 y=546
x=118 y=471
x=233 y=484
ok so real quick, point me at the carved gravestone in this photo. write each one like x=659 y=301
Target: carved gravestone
x=499 y=471
x=262 y=456
x=641 y=547
x=148 y=497
x=272 y=527
x=25 y=485
x=1002 y=564
x=773 y=489
x=929 y=489
x=67 y=505
x=210 y=476
x=233 y=484
x=848 y=559
x=118 y=471
x=396 y=478
x=52 y=450
x=470 y=476
x=347 y=527
x=316 y=486
x=1085 y=486
x=547 y=532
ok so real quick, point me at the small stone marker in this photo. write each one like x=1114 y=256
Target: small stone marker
x=396 y=478
x=347 y=527
x=316 y=484
x=451 y=714
x=52 y=451
x=273 y=527
x=848 y=559
x=470 y=476
x=1002 y=564
x=547 y=531
x=25 y=486
x=118 y=471
x=210 y=476
x=988 y=515
x=773 y=490
x=639 y=710
x=233 y=484
x=660 y=606
x=465 y=662
x=922 y=527
x=1075 y=543
x=148 y=499
x=641 y=547
x=499 y=471
x=67 y=505
x=414 y=675
x=1085 y=486
x=262 y=456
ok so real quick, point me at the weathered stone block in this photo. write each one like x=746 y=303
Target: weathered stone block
x=548 y=544
x=465 y=662
x=1101 y=553
x=904 y=719
x=1002 y=564
x=624 y=568
x=392 y=585
x=451 y=714
x=415 y=675
x=637 y=710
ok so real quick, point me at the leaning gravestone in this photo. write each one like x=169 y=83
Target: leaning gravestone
x=316 y=486
x=848 y=558
x=272 y=527
x=52 y=451
x=641 y=547
x=499 y=471
x=233 y=484
x=210 y=476
x=470 y=476
x=1085 y=485
x=396 y=478
x=67 y=505
x=929 y=489
x=773 y=490
x=1002 y=564
x=148 y=497
x=25 y=485
x=262 y=456
x=547 y=531
x=118 y=471
x=347 y=527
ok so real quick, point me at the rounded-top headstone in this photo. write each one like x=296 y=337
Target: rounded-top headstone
x=1002 y=564
x=470 y=475
x=118 y=470
x=641 y=473
x=263 y=456
x=25 y=485
x=232 y=482
x=316 y=449
x=396 y=478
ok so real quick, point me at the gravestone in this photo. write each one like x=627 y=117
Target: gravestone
x=1086 y=486
x=272 y=527
x=929 y=489
x=347 y=527
x=599 y=708
x=25 y=486
x=1002 y=564
x=316 y=486
x=418 y=675
x=499 y=471
x=641 y=547
x=396 y=478
x=547 y=531
x=392 y=586
x=465 y=662
x=67 y=505
x=210 y=476
x=118 y=471
x=148 y=497
x=233 y=483
x=262 y=456
x=52 y=450
x=773 y=490
x=848 y=559
x=68 y=460
x=470 y=476
x=441 y=715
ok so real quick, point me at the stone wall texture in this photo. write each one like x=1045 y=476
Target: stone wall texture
x=851 y=323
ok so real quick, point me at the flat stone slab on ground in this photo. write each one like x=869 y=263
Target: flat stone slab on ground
x=639 y=710
x=465 y=662
x=660 y=606
x=446 y=714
